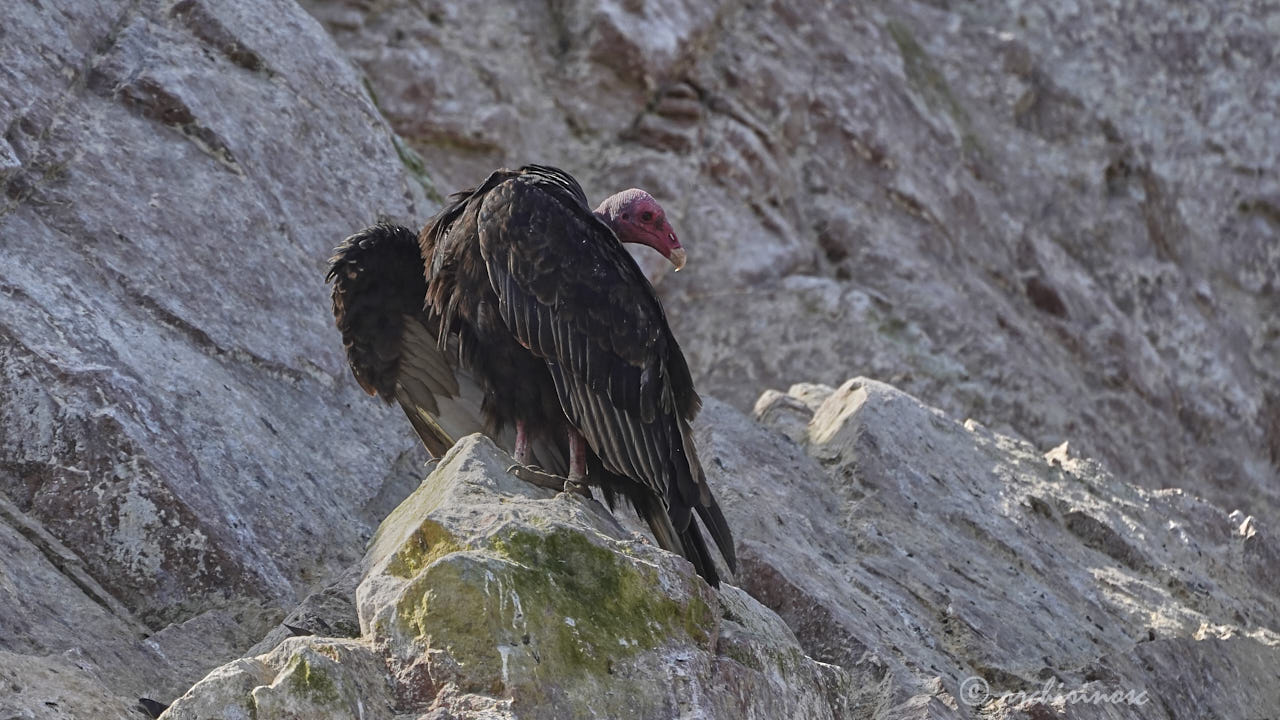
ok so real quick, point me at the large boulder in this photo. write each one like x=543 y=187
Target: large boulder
x=484 y=597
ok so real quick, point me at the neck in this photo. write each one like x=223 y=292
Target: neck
x=606 y=217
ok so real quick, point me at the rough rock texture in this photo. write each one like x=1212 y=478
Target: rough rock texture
x=1063 y=221
x=918 y=568
x=182 y=453
x=1060 y=221
x=947 y=550
x=484 y=597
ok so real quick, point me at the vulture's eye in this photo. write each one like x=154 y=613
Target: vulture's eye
x=646 y=217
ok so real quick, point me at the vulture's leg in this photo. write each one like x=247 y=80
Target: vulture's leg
x=522 y=444
x=577 y=479
x=537 y=477
x=534 y=475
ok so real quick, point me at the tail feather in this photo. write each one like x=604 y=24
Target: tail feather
x=688 y=543
x=695 y=549
x=433 y=436
x=666 y=535
x=715 y=523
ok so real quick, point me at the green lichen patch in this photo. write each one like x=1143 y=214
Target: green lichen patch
x=930 y=81
x=409 y=526
x=306 y=679
x=541 y=614
x=450 y=607
x=610 y=598
x=320 y=679
x=426 y=545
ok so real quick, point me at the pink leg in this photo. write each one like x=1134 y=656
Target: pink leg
x=577 y=457
x=577 y=480
x=575 y=483
x=522 y=444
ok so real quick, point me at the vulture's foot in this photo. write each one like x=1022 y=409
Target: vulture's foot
x=575 y=485
x=534 y=475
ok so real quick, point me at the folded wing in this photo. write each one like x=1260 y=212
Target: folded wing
x=378 y=291
x=572 y=295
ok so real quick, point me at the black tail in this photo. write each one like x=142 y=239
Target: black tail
x=695 y=550
x=690 y=542
x=650 y=508
x=715 y=523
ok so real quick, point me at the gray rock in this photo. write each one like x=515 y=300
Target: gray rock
x=302 y=677
x=180 y=439
x=59 y=687
x=945 y=550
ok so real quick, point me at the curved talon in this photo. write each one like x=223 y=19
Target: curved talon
x=573 y=486
x=537 y=477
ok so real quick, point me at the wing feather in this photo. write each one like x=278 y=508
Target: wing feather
x=570 y=292
x=395 y=351
x=419 y=345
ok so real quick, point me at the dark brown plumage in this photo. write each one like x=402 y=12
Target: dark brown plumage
x=532 y=298
x=391 y=341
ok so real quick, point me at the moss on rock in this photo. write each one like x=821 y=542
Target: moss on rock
x=427 y=544
x=306 y=679
x=611 y=601
x=548 y=606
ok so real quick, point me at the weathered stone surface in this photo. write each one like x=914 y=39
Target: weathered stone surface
x=179 y=436
x=484 y=597
x=946 y=550
x=303 y=677
x=55 y=687
x=1061 y=222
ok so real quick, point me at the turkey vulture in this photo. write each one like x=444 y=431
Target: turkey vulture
x=517 y=309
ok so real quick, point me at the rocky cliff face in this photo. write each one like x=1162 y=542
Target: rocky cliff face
x=1055 y=220
x=179 y=439
x=1060 y=223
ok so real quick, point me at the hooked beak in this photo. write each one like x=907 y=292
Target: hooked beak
x=677 y=256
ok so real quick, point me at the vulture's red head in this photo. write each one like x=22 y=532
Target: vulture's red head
x=636 y=217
